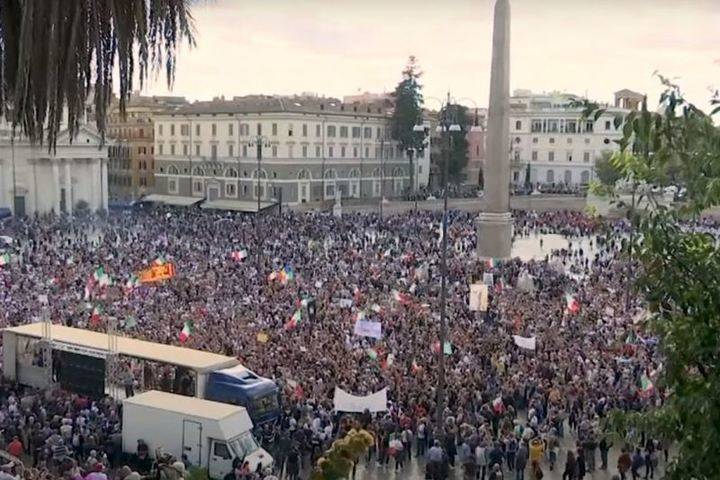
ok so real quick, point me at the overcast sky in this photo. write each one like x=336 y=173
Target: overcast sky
x=340 y=47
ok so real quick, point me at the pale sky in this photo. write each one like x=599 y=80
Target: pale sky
x=340 y=47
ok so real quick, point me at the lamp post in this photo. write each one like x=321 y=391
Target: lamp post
x=382 y=173
x=411 y=152
x=445 y=127
x=258 y=142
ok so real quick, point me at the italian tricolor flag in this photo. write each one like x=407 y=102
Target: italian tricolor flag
x=95 y=315
x=239 y=255
x=573 y=306
x=294 y=320
x=187 y=330
x=4 y=259
x=646 y=385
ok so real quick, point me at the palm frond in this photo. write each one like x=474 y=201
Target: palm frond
x=53 y=54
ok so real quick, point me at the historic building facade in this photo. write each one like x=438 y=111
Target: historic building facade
x=311 y=149
x=132 y=157
x=551 y=141
x=34 y=180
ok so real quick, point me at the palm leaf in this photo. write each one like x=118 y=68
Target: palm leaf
x=54 y=54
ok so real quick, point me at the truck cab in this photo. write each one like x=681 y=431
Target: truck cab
x=239 y=386
x=244 y=447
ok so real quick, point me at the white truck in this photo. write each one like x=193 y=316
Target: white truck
x=209 y=434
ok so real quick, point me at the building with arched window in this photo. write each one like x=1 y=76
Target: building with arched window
x=311 y=149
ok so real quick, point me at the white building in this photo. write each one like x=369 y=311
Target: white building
x=549 y=137
x=35 y=180
x=312 y=149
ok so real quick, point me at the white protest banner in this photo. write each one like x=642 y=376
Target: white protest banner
x=478 y=297
x=488 y=278
x=527 y=343
x=368 y=328
x=376 y=402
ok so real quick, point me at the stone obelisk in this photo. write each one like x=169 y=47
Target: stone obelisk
x=495 y=222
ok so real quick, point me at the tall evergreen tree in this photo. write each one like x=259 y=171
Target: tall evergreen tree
x=457 y=114
x=408 y=107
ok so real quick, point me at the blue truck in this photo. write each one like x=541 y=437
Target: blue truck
x=240 y=386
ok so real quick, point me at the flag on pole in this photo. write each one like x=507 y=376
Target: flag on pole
x=4 y=259
x=401 y=298
x=646 y=385
x=294 y=320
x=187 y=331
x=239 y=255
x=95 y=315
x=573 y=306
x=415 y=368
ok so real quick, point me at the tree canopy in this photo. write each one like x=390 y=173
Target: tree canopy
x=408 y=107
x=680 y=277
x=54 y=54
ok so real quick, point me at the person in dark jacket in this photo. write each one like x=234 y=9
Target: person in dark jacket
x=580 y=457
x=570 y=472
x=496 y=456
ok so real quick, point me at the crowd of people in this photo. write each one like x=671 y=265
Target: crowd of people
x=505 y=408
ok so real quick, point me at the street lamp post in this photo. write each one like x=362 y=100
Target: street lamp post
x=382 y=173
x=446 y=128
x=258 y=142
x=411 y=151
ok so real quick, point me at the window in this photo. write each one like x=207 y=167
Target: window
x=290 y=130
x=586 y=157
x=160 y=129
x=552 y=140
x=259 y=128
x=569 y=156
x=551 y=156
x=172 y=129
x=342 y=152
x=197 y=129
x=368 y=132
x=589 y=126
x=568 y=177
x=330 y=152
x=274 y=151
x=141 y=133
x=317 y=152
x=221 y=450
x=355 y=152
x=185 y=149
x=585 y=177
x=173 y=185
x=231 y=150
x=550 y=176
x=536 y=126
x=608 y=125
x=367 y=152
x=244 y=151
x=213 y=152
x=317 y=130
x=535 y=139
x=230 y=129
x=291 y=147
x=304 y=151
x=244 y=129
x=197 y=149
x=230 y=190
x=213 y=129
x=552 y=126
x=304 y=130
x=197 y=187
x=184 y=130
x=570 y=126
x=378 y=133
x=534 y=155
x=356 y=132
x=331 y=130
x=160 y=149
x=274 y=129
x=518 y=125
x=172 y=149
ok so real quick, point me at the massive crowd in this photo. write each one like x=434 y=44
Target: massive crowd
x=506 y=409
